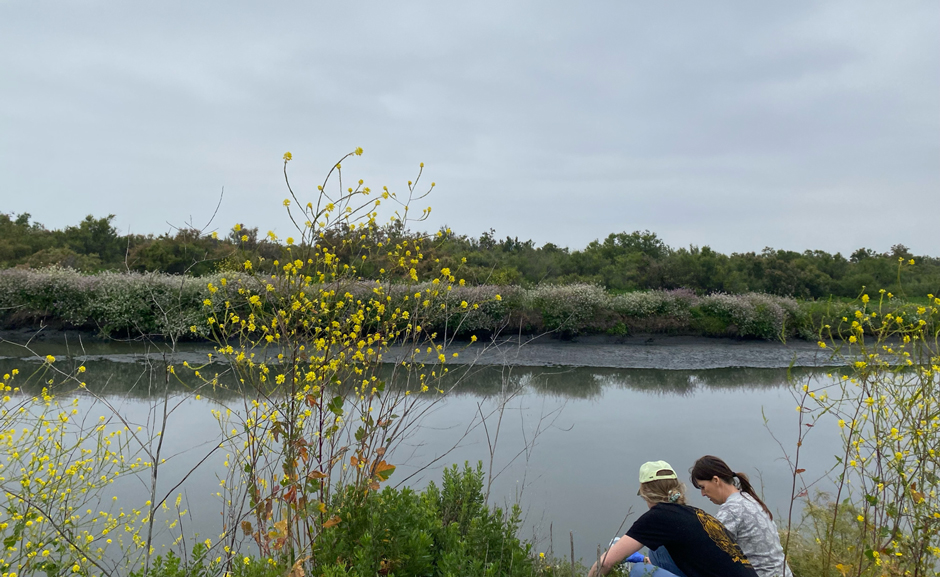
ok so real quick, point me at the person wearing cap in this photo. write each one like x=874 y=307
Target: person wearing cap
x=697 y=543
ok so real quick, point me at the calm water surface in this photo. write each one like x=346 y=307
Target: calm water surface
x=570 y=441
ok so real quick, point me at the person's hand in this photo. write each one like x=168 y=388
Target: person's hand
x=647 y=560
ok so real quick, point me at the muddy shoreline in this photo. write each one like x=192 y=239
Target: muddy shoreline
x=634 y=352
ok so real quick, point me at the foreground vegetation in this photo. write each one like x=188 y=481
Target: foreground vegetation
x=447 y=531
x=882 y=516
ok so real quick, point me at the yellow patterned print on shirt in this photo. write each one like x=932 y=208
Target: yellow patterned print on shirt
x=716 y=531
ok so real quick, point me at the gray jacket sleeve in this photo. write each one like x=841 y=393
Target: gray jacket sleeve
x=730 y=514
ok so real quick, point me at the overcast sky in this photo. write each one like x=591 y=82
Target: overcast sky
x=736 y=125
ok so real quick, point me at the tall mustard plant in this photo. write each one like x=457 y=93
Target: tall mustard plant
x=304 y=341
x=887 y=409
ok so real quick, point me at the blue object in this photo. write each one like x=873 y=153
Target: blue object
x=639 y=567
x=635 y=558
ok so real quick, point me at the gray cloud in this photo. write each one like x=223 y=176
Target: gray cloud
x=794 y=125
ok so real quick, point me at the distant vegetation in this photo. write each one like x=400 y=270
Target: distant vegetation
x=91 y=278
x=621 y=262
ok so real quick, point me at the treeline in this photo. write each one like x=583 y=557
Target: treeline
x=642 y=261
x=95 y=245
x=620 y=262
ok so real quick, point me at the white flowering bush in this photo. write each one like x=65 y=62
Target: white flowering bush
x=752 y=314
x=470 y=309
x=115 y=303
x=567 y=308
x=58 y=292
x=674 y=303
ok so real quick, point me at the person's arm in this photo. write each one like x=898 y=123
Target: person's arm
x=623 y=548
x=730 y=516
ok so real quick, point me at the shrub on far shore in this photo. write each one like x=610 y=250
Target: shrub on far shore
x=162 y=305
x=114 y=304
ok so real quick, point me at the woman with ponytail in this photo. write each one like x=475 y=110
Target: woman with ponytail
x=695 y=541
x=743 y=513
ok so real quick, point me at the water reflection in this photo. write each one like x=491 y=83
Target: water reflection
x=145 y=378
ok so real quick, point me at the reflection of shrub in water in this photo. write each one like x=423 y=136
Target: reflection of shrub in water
x=587 y=383
x=685 y=382
x=752 y=377
x=134 y=379
x=127 y=379
x=649 y=380
x=570 y=383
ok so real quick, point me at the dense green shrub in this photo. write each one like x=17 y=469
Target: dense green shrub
x=445 y=531
x=709 y=324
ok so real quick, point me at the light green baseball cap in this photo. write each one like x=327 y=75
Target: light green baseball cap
x=652 y=471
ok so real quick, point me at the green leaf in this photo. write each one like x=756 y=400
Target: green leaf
x=336 y=406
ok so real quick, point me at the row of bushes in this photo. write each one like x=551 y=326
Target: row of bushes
x=134 y=304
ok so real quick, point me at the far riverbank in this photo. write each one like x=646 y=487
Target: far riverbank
x=651 y=351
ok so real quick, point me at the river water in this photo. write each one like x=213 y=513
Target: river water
x=577 y=421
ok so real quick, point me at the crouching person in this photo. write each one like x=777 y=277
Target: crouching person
x=697 y=543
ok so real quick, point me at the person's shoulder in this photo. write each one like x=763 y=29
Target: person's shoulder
x=734 y=502
x=674 y=507
x=737 y=496
x=688 y=511
x=670 y=509
x=749 y=502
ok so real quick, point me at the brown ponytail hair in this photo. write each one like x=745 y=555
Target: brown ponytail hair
x=710 y=466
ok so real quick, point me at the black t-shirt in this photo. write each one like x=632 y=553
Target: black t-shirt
x=697 y=542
